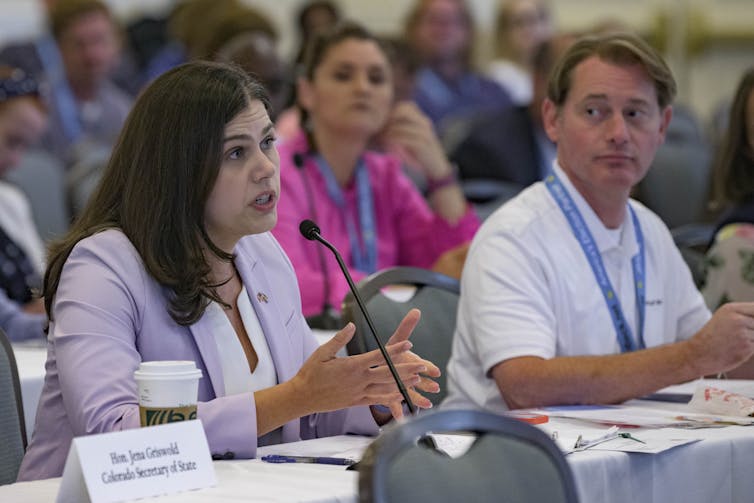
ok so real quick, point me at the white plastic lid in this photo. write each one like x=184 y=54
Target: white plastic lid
x=168 y=369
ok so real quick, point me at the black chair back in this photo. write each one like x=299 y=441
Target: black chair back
x=508 y=462
x=12 y=426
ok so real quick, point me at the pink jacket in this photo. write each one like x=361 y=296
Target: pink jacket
x=408 y=232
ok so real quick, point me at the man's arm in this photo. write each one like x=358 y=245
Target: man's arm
x=725 y=343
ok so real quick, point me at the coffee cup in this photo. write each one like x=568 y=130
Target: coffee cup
x=167 y=391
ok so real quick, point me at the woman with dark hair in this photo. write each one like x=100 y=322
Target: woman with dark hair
x=730 y=260
x=337 y=173
x=172 y=259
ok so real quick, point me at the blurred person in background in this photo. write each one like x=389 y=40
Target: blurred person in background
x=448 y=90
x=256 y=54
x=511 y=146
x=405 y=65
x=40 y=59
x=248 y=38
x=23 y=117
x=86 y=109
x=313 y=18
x=333 y=173
x=730 y=261
x=187 y=25
x=522 y=25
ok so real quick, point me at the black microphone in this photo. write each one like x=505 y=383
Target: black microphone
x=310 y=231
x=328 y=318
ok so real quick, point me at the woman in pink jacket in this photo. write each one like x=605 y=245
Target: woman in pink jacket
x=333 y=173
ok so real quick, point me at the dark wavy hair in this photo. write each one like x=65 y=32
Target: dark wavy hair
x=734 y=169
x=159 y=177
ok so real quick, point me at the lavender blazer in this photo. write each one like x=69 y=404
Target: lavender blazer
x=110 y=315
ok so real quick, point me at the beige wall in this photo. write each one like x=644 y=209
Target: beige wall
x=706 y=76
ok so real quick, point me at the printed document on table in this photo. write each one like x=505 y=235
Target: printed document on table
x=636 y=416
x=743 y=387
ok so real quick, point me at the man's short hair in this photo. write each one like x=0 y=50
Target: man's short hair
x=615 y=48
x=65 y=12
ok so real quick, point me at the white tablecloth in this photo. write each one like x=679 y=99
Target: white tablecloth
x=716 y=469
x=246 y=480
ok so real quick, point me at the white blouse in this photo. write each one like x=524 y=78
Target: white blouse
x=235 y=366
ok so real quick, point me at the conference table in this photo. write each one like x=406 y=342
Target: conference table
x=715 y=469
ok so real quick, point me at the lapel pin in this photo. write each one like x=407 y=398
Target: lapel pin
x=262 y=297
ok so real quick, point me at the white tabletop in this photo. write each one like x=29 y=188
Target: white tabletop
x=716 y=469
x=246 y=480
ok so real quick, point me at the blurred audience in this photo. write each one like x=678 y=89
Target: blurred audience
x=730 y=261
x=40 y=58
x=313 y=18
x=86 y=109
x=246 y=37
x=187 y=25
x=256 y=53
x=22 y=120
x=404 y=64
x=511 y=145
x=360 y=197
x=522 y=25
x=447 y=89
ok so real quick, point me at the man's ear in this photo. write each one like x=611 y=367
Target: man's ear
x=550 y=119
x=665 y=117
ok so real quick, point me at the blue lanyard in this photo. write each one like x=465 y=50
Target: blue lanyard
x=585 y=239
x=364 y=249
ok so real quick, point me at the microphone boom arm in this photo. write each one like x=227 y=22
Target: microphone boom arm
x=314 y=234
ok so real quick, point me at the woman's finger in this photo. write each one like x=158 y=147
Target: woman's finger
x=406 y=327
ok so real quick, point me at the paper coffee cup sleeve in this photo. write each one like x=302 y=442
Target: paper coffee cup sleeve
x=717 y=401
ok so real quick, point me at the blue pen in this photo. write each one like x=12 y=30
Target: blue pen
x=320 y=460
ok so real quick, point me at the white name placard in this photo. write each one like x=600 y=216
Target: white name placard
x=137 y=463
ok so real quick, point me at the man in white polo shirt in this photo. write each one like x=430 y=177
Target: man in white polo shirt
x=573 y=293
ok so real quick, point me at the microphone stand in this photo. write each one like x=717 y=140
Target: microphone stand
x=312 y=232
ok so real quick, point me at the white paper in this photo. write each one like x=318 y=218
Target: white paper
x=743 y=387
x=340 y=446
x=454 y=445
x=640 y=416
x=655 y=441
